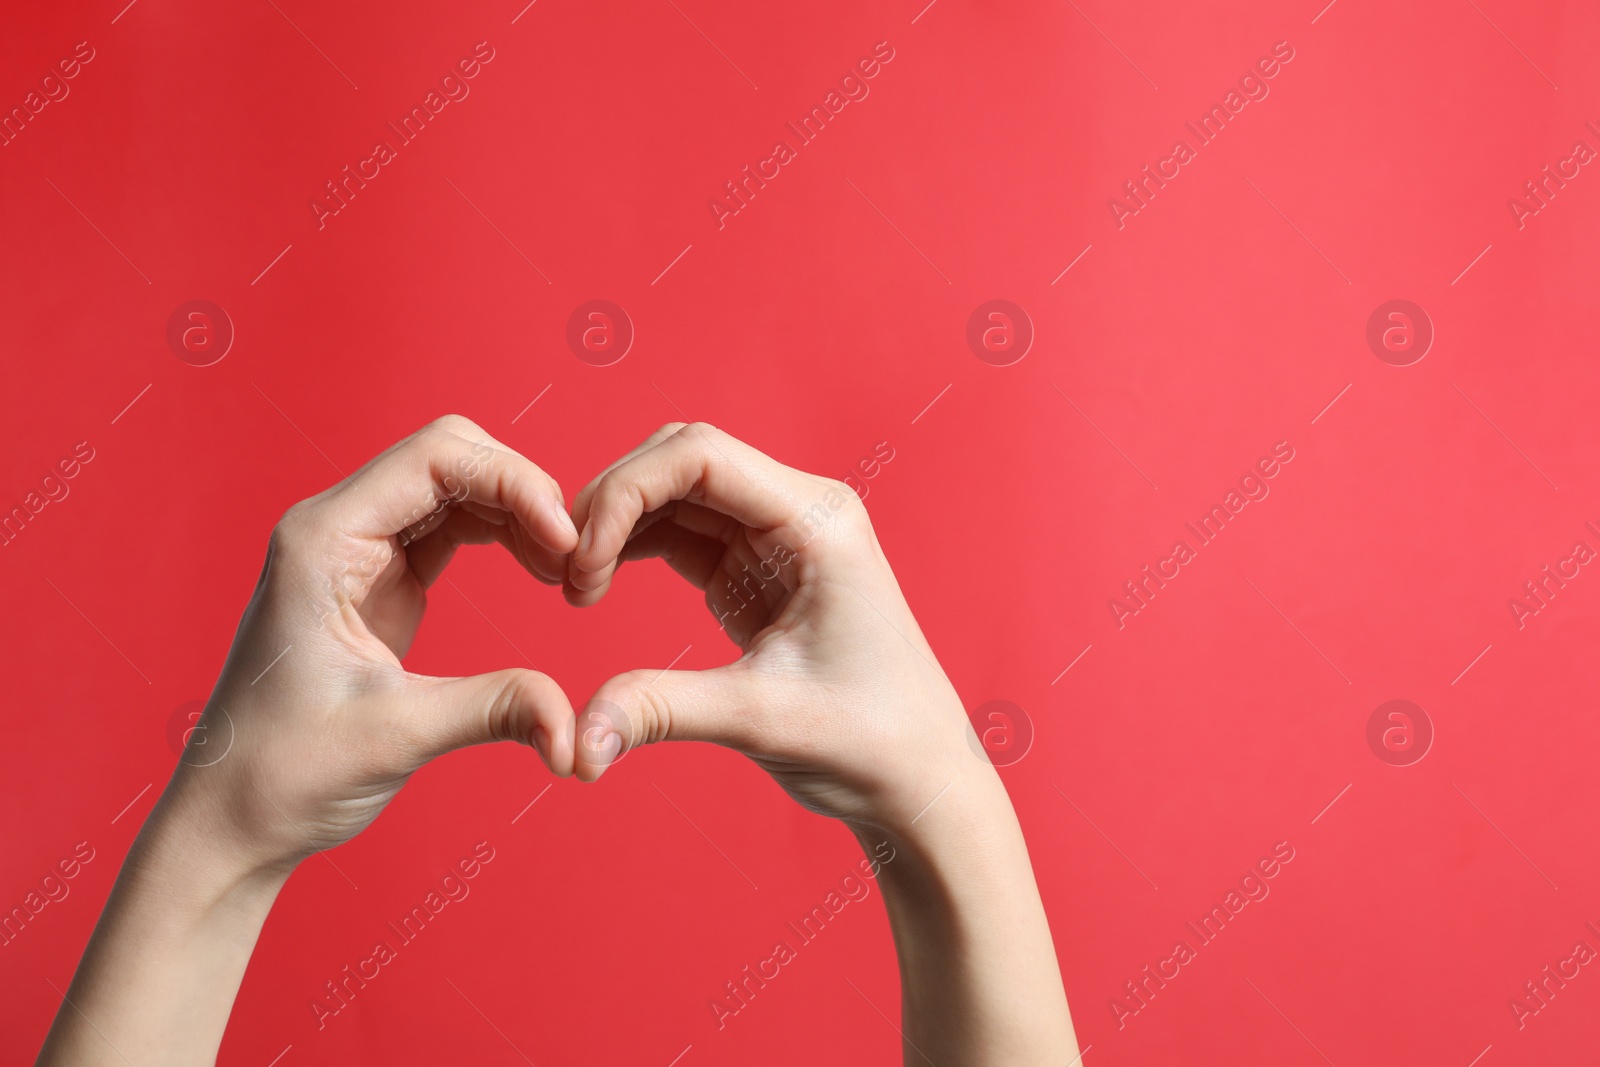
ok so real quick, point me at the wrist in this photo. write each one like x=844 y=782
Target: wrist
x=190 y=849
x=941 y=787
x=962 y=827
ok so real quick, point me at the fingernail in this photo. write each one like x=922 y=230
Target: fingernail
x=585 y=541
x=566 y=520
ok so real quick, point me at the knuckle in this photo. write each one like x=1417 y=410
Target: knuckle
x=854 y=509
x=434 y=438
x=846 y=505
x=292 y=531
x=655 y=715
x=613 y=491
x=290 y=521
x=506 y=697
x=604 y=488
x=459 y=425
x=834 y=485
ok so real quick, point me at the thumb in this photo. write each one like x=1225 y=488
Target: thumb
x=642 y=707
x=512 y=705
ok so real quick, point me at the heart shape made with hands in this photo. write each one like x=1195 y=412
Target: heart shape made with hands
x=726 y=518
x=836 y=694
x=792 y=572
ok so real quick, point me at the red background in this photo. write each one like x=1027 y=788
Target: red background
x=821 y=320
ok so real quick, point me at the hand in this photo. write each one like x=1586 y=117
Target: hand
x=837 y=694
x=312 y=728
x=319 y=722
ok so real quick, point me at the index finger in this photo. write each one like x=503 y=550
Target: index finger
x=701 y=464
x=451 y=461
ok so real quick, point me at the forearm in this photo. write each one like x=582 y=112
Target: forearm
x=159 y=976
x=980 y=984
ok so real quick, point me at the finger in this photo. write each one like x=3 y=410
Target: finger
x=592 y=590
x=428 y=555
x=710 y=532
x=644 y=707
x=583 y=590
x=733 y=578
x=544 y=563
x=703 y=520
x=580 y=503
x=694 y=556
x=702 y=465
x=512 y=705
x=451 y=461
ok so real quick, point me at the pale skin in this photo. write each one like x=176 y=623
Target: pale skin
x=836 y=694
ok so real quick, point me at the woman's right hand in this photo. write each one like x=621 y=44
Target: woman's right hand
x=837 y=694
